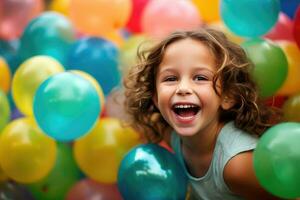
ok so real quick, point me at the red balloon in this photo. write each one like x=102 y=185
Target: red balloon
x=283 y=29
x=134 y=22
x=88 y=189
x=15 y=15
x=296 y=29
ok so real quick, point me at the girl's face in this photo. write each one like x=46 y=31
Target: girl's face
x=184 y=88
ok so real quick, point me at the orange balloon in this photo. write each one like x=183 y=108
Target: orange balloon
x=292 y=82
x=115 y=37
x=209 y=10
x=99 y=17
x=99 y=153
x=5 y=77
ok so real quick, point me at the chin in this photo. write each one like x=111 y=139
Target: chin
x=186 y=132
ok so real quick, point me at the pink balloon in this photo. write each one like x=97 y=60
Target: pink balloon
x=87 y=189
x=162 y=17
x=134 y=22
x=15 y=15
x=283 y=29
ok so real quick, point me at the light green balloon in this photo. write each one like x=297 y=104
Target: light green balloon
x=270 y=65
x=277 y=160
x=4 y=110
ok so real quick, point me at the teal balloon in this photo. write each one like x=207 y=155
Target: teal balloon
x=150 y=172
x=61 y=178
x=277 y=160
x=49 y=34
x=250 y=18
x=66 y=106
x=270 y=65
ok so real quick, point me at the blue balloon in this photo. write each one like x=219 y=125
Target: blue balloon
x=250 y=18
x=289 y=7
x=49 y=34
x=99 y=58
x=66 y=106
x=151 y=172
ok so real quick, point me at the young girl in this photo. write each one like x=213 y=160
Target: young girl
x=194 y=90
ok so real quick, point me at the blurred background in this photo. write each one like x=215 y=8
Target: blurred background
x=61 y=98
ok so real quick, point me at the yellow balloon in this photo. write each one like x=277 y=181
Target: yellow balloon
x=99 y=153
x=219 y=25
x=61 y=6
x=26 y=154
x=292 y=82
x=5 y=76
x=291 y=109
x=3 y=176
x=99 y=17
x=128 y=51
x=209 y=9
x=28 y=77
x=4 y=110
x=95 y=84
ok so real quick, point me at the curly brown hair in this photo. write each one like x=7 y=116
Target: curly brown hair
x=233 y=71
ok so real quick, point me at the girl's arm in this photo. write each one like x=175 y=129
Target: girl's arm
x=240 y=178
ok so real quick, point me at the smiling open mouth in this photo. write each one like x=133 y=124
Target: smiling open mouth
x=186 y=110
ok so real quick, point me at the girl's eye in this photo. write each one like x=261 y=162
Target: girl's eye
x=200 y=78
x=170 y=78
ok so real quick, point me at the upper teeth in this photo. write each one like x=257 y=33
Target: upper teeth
x=185 y=106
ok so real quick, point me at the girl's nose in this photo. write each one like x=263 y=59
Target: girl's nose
x=183 y=88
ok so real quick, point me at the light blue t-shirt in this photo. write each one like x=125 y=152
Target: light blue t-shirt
x=230 y=142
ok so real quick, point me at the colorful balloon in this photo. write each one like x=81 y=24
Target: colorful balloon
x=134 y=22
x=277 y=160
x=296 y=28
x=15 y=14
x=270 y=65
x=100 y=152
x=291 y=84
x=283 y=29
x=147 y=171
x=209 y=11
x=4 y=110
x=61 y=178
x=250 y=18
x=291 y=109
x=96 y=18
x=162 y=17
x=29 y=77
x=5 y=76
x=87 y=189
x=66 y=106
x=31 y=153
x=49 y=34
x=219 y=25
x=99 y=58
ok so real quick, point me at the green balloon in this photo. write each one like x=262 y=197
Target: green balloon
x=62 y=177
x=277 y=160
x=270 y=65
x=4 y=110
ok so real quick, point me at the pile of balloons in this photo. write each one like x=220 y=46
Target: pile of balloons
x=61 y=99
